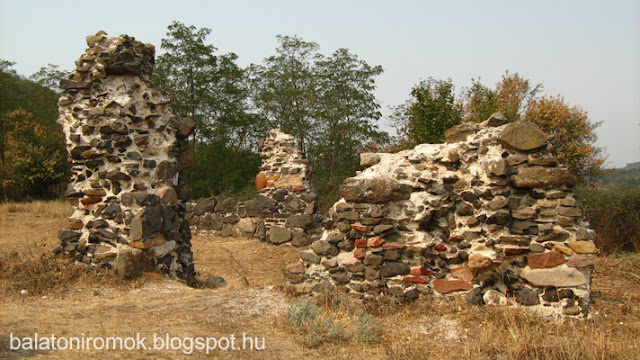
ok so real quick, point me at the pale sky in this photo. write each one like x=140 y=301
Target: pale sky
x=587 y=51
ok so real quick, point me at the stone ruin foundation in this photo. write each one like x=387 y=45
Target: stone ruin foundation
x=488 y=214
x=283 y=212
x=127 y=152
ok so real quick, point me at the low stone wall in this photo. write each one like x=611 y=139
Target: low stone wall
x=127 y=153
x=489 y=214
x=285 y=210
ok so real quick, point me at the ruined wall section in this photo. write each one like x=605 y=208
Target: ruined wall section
x=285 y=210
x=489 y=214
x=127 y=151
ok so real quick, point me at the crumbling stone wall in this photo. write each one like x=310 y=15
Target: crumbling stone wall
x=127 y=151
x=488 y=214
x=285 y=210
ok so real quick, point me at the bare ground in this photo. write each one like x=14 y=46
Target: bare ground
x=67 y=301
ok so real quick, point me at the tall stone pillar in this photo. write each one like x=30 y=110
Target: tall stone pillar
x=127 y=151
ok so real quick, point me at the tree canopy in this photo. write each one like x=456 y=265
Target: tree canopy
x=326 y=100
x=433 y=108
x=32 y=152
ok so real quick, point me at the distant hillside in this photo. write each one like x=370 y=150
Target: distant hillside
x=19 y=93
x=635 y=165
x=626 y=176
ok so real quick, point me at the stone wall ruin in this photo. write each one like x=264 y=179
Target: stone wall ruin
x=488 y=214
x=127 y=151
x=285 y=210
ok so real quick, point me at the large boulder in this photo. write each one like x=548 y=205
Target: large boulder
x=523 y=136
x=374 y=190
x=460 y=132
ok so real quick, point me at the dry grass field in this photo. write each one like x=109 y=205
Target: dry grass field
x=44 y=294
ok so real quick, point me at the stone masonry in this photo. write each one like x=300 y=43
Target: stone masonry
x=488 y=214
x=127 y=152
x=285 y=210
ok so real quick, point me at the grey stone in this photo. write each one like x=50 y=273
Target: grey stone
x=226 y=206
x=495 y=120
x=527 y=297
x=323 y=247
x=393 y=268
x=279 y=235
x=212 y=282
x=203 y=206
x=464 y=209
x=304 y=221
x=231 y=219
x=68 y=235
x=293 y=204
x=117 y=175
x=310 y=256
x=211 y=222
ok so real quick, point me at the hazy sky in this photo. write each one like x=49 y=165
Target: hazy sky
x=588 y=51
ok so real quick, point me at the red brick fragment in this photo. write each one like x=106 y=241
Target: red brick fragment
x=447 y=286
x=514 y=251
x=90 y=200
x=545 y=260
x=375 y=241
x=361 y=243
x=440 y=247
x=393 y=246
x=361 y=228
x=420 y=271
x=415 y=280
x=261 y=181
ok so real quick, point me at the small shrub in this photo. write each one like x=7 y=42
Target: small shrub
x=333 y=330
x=366 y=328
x=332 y=323
x=340 y=301
x=301 y=313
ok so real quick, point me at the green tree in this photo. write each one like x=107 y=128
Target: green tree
x=49 y=77
x=33 y=159
x=210 y=89
x=570 y=132
x=6 y=67
x=284 y=88
x=32 y=151
x=431 y=110
x=510 y=97
x=513 y=94
x=479 y=102
x=206 y=87
x=327 y=102
x=345 y=118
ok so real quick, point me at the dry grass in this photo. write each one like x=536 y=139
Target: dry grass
x=68 y=301
x=53 y=209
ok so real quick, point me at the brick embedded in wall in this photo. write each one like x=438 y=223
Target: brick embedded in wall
x=489 y=214
x=127 y=151
x=285 y=210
